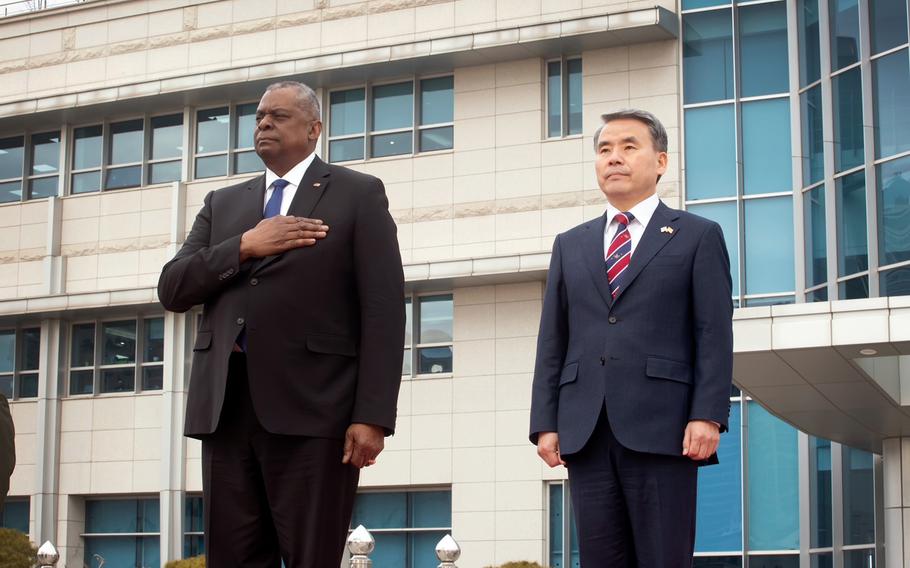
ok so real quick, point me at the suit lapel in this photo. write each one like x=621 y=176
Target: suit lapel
x=652 y=241
x=250 y=210
x=594 y=255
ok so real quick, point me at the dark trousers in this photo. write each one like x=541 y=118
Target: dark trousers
x=632 y=509
x=269 y=497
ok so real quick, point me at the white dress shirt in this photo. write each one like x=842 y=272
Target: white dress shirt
x=293 y=177
x=642 y=213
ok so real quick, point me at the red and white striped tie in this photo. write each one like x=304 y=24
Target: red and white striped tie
x=619 y=253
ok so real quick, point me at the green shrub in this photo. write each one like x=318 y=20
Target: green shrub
x=15 y=550
x=194 y=562
x=521 y=564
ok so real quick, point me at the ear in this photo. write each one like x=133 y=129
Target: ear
x=315 y=130
x=662 y=161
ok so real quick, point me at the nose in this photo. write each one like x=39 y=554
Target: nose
x=264 y=123
x=614 y=157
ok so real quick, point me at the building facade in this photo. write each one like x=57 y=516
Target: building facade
x=788 y=125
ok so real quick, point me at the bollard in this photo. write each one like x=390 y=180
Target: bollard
x=360 y=545
x=47 y=555
x=447 y=552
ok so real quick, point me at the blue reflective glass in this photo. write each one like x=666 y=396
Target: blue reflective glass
x=10 y=192
x=817 y=295
x=809 y=63
x=859 y=497
x=822 y=560
x=381 y=510
x=45 y=153
x=813 y=153
x=894 y=211
x=422 y=550
x=895 y=282
x=126 y=142
x=769 y=245
x=724 y=214
x=246 y=162
x=854 y=289
x=211 y=166
x=119 y=178
x=891 y=96
x=852 y=241
x=12 y=153
x=393 y=106
x=212 y=130
x=719 y=508
x=774 y=561
x=15 y=515
x=436 y=319
x=773 y=483
x=86 y=147
x=437 y=101
x=391 y=550
x=693 y=4
x=864 y=558
x=85 y=182
x=556 y=526
x=7 y=350
x=246 y=125
x=393 y=144
x=816 y=243
x=767 y=159
x=347 y=149
x=710 y=152
x=193 y=514
x=163 y=172
x=347 y=112
x=889 y=24
x=123 y=552
x=167 y=136
x=707 y=56
x=554 y=98
x=820 y=492
x=717 y=562
x=122 y=516
x=763 y=49
x=844 y=18
x=573 y=93
x=42 y=187
x=437 y=138
x=848 y=119
x=431 y=509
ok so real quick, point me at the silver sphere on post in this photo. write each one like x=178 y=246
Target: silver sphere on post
x=47 y=555
x=360 y=545
x=447 y=552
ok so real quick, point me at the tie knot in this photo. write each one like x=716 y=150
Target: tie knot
x=280 y=184
x=623 y=218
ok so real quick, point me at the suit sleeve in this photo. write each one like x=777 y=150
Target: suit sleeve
x=713 y=329
x=552 y=341
x=200 y=270
x=380 y=287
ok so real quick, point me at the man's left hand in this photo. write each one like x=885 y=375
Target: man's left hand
x=701 y=439
x=362 y=443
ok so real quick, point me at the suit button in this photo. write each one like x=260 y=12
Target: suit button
x=254 y=281
x=240 y=321
x=612 y=319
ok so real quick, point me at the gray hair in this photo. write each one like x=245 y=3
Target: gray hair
x=658 y=132
x=306 y=97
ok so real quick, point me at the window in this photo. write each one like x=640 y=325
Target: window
x=725 y=215
x=710 y=168
x=844 y=18
x=19 y=356
x=769 y=243
x=112 y=353
x=128 y=153
x=820 y=478
x=858 y=497
x=429 y=322
x=763 y=53
x=719 y=505
x=852 y=242
x=193 y=527
x=816 y=252
x=767 y=159
x=406 y=525
x=809 y=57
x=122 y=532
x=383 y=124
x=888 y=29
x=15 y=514
x=891 y=98
x=564 y=102
x=812 y=139
x=224 y=141
x=29 y=166
x=894 y=211
x=563 y=543
x=707 y=56
x=848 y=119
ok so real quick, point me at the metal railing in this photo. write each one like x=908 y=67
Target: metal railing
x=13 y=7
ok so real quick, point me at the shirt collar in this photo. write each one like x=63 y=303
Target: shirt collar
x=294 y=176
x=642 y=211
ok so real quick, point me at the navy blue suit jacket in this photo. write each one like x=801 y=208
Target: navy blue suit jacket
x=658 y=356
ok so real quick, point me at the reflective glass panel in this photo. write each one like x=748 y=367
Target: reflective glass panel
x=773 y=561
x=7 y=351
x=859 y=558
x=247 y=162
x=813 y=143
x=767 y=159
x=820 y=492
x=167 y=136
x=773 y=486
x=347 y=112
x=82 y=352
x=87 y=147
x=164 y=172
x=554 y=99
x=818 y=295
x=693 y=4
x=381 y=510
x=28 y=385
x=406 y=362
x=889 y=24
x=763 y=49
x=844 y=18
x=393 y=551
x=153 y=378
x=707 y=56
x=15 y=514
x=11 y=191
x=852 y=242
x=816 y=242
x=344 y=150
x=435 y=319
x=710 y=167
x=717 y=562
x=556 y=525
x=409 y=321
x=437 y=100
x=11 y=155
x=125 y=551
x=894 y=211
x=437 y=138
x=45 y=153
x=821 y=560
x=42 y=187
x=393 y=106
x=126 y=142
x=891 y=94
x=391 y=144
x=769 y=245
x=86 y=182
x=212 y=130
x=246 y=125
x=573 y=93
x=81 y=382
x=433 y=360
x=724 y=214
x=859 y=497
x=430 y=509
x=118 y=342
x=809 y=66
x=211 y=166
x=119 y=178
x=895 y=282
x=6 y=386
x=854 y=288
x=31 y=349
x=775 y=301
x=719 y=507
x=154 y=340
x=848 y=119
x=118 y=380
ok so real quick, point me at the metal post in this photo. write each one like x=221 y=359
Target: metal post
x=361 y=544
x=447 y=552
x=47 y=555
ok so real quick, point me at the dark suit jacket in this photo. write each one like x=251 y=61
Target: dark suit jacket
x=659 y=355
x=324 y=324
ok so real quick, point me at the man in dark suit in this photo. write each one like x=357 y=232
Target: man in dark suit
x=634 y=357
x=297 y=360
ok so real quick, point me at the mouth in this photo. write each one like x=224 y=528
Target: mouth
x=611 y=175
x=264 y=140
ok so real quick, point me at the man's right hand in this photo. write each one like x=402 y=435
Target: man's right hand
x=548 y=448
x=280 y=233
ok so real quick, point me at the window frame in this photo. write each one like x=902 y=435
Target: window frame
x=231 y=152
x=564 y=96
x=18 y=358
x=415 y=345
x=26 y=175
x=135 y=535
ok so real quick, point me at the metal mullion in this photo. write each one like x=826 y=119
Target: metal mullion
x=810 y=86
x=852 y=170
x=761 y=296
x=721 y=102
x=232 y=136
x=853 y=276
x=566 y=525
x=416 y=115
x=759 y=2
x=888 y=52
x=815 y=185
x=853 y=65
x=415 y=333
x=367 y=120
x=26 y=166
x=105 y=152
x=771 y=97
x=711 y=200
x=390 y=131
x=767 y=195
x=881 y=161
x=63 y=184
x=871 y=184
x=744 y=478
x=706 y=9
x=894 y=265
x=188 y=140
x=837 y=504
x=796 y=162
x=145 y=172
x=738 y=148
x=828 y=168
x=563 y=97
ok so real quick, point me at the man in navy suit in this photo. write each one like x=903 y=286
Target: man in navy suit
x=634 y=357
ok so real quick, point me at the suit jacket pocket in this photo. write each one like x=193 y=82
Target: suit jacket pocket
x=203 y=341
x=331 y=345
x=659 y=368
x=569 y=374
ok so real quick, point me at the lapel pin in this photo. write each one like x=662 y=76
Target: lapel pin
x=666 y=229
x=317 y=184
